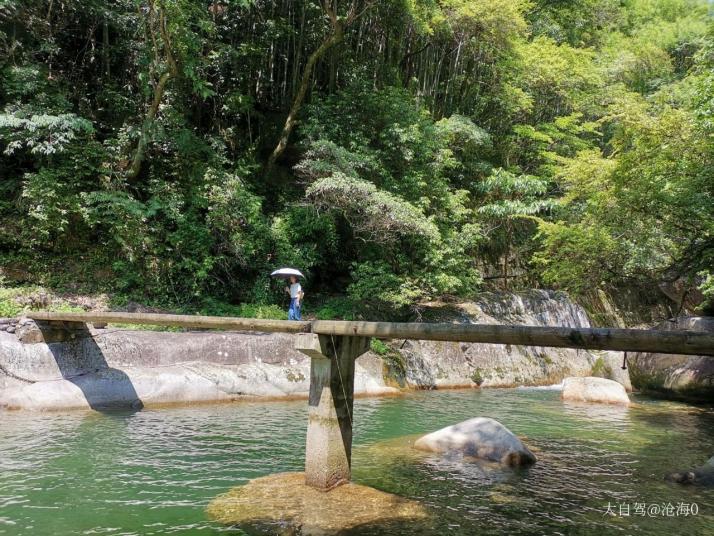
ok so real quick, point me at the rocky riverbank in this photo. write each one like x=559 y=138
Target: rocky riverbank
x=97 y=368
x=678 y=376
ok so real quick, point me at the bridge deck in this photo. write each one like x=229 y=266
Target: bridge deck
x=633 y=340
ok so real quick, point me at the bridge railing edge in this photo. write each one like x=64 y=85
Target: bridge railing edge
x=618 y=339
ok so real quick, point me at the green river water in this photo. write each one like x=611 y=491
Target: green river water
x=154 y=471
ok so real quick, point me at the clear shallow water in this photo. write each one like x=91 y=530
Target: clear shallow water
x=154 y=471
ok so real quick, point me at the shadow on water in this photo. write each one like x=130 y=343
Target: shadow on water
x=81 y=361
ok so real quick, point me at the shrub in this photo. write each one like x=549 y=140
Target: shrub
x=477 y=377
x=392 y=358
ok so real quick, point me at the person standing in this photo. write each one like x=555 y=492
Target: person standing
x=296 y=295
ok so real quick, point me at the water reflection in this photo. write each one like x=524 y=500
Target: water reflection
x=614 y=415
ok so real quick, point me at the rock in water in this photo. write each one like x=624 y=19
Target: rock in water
x=608 y=365
x=283 y=504
x=702 y=476
x=591 y=389
x=480 y=437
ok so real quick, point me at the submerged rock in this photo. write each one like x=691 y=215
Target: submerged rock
x=591 y=389
x=702 y=476
x=480 y=437
x=283 y=504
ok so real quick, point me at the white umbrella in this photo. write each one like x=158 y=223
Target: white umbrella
x=285 y=273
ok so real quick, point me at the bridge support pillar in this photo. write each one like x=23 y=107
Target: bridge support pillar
x=328 y=451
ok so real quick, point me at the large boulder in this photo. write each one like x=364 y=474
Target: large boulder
x=608 y=365
x=702 y=476
x=480 y=437
x=591 y=389
x=676 y=375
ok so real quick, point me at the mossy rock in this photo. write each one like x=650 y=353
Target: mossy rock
x=477 y=377
x=284 y=504
x=601 y=369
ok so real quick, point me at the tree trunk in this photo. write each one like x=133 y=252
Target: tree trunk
x=334 y=38
x=146 y=126
x=105 y=47
x=506 y=256
x=159 y=90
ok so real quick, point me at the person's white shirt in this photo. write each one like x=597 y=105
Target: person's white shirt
x=295 y=290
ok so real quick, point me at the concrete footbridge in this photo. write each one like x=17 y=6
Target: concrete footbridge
x=333 y=347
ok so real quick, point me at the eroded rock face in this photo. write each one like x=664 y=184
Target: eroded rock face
x=596 y=390
x=435 y=364
x=283 y=504
x=121 y=368
x=684 y=376
x=480 y=437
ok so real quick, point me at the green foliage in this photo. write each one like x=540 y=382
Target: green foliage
x=212 y=307
x=633 y=214
x=600 y=369
x=376 y=215
x=464 y=152
x=390 y=356
x=400 y=182
x=539 y=150
x=443 y=142
x=509 y=206
x=568 y=260
x=8 y=306
x=595 y=19
x=655 y=42
x=14 y=300
x=380 y=291
x=22 y=81
x=334 y=308
x=556 y=77
x=707 y=288
x=509 y=196
x=40 y=134
x=378 y=347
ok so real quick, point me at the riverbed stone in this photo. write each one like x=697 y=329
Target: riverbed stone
x=284 y=504
x=594 y=390
x=480 y=437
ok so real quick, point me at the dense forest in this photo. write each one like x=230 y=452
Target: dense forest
x=174 y=152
